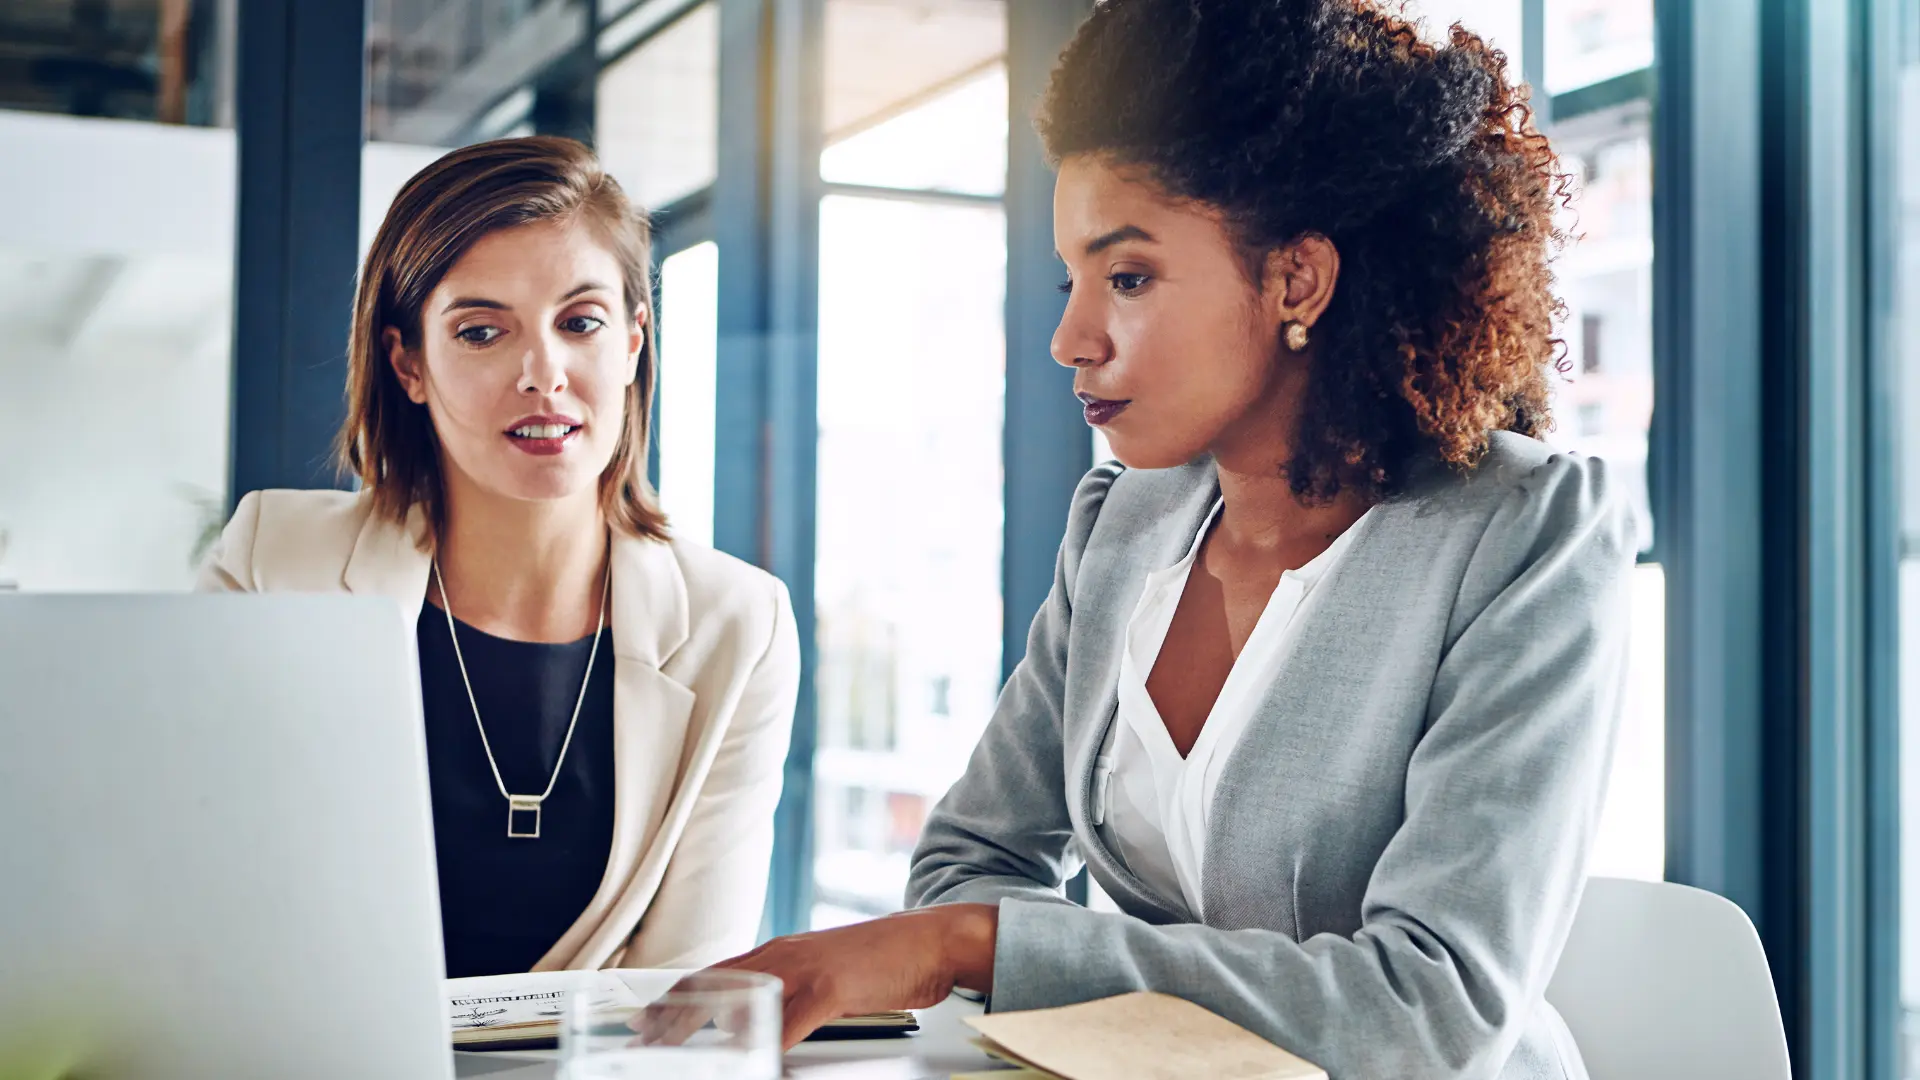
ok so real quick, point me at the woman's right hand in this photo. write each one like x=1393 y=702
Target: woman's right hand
x=911 y=960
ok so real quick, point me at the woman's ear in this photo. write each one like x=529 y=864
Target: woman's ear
x=1301 y=277
x=406 y=366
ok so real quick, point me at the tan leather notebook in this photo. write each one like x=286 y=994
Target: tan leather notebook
x=1138 y=1036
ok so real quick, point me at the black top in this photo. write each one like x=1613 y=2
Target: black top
x=504 y=902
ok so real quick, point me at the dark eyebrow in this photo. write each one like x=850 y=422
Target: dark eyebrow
x=1125 y=232
x=473 y=302
x=495 y=305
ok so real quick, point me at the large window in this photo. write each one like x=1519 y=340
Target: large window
x=689 y=312
x=908 y=580
x=116 y=291
x=911 y=386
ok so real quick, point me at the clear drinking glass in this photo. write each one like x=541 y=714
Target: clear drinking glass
x=671 y=1025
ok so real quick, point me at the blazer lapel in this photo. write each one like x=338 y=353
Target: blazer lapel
x=651 y=714
x=387 y=560
x=1103 y=606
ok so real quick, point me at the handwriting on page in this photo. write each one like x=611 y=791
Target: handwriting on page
x=507 y=1009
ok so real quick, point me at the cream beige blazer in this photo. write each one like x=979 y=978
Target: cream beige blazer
x=706 y=669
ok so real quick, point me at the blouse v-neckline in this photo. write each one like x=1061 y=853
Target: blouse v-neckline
x=1153 y=801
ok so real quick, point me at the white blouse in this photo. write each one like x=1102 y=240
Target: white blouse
x=1149 y=804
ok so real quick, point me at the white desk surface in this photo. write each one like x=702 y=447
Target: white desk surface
x=939 y=1048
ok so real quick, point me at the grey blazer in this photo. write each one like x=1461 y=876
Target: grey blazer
x=1399 y=841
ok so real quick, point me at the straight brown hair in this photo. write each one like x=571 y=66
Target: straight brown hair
x=387 y=440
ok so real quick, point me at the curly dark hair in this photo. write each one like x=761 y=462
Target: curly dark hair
x=1419 y=162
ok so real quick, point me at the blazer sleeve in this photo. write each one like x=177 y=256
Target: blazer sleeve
x=1002 y=831
x=229 y=565
x=1471 y=901
x=710 y=900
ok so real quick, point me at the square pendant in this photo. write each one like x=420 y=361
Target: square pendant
x=528 y=809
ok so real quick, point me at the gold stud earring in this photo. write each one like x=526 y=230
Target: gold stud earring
x=1296 y=336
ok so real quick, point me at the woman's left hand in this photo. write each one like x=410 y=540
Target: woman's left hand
x=911 y=960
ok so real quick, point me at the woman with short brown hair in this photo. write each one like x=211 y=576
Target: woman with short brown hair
x=607 y=707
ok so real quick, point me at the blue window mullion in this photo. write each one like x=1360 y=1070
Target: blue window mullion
x=766 y=221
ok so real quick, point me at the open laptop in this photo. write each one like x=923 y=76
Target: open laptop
x=216 y=846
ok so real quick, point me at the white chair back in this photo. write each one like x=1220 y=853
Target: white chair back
x=1664 y=982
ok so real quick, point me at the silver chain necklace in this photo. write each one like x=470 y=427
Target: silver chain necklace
x=520 y=804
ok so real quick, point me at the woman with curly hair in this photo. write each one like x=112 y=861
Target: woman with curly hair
x=1325 y=691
